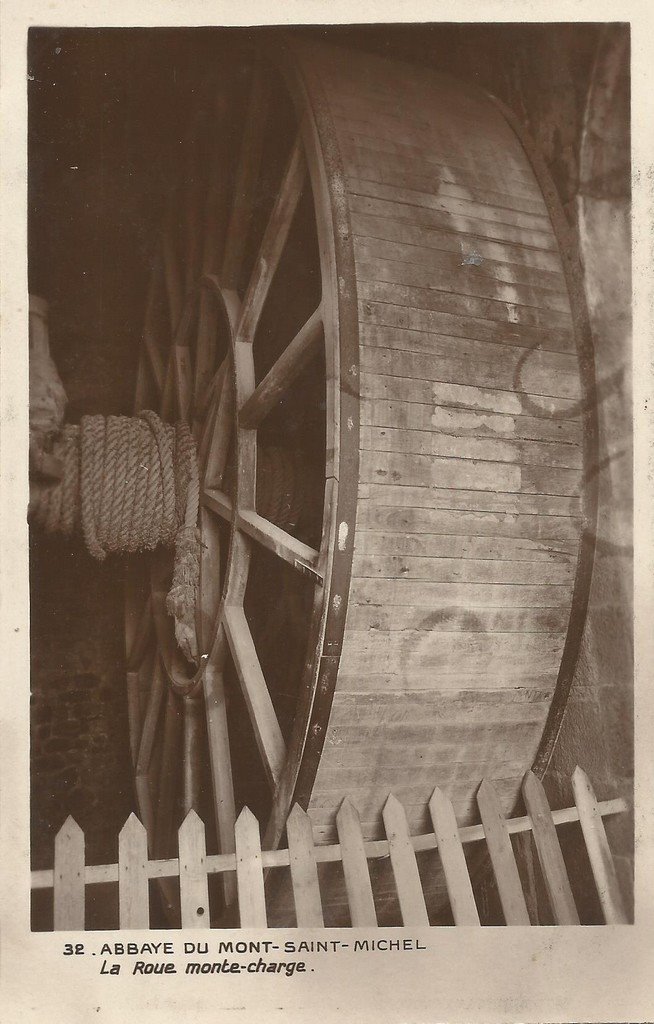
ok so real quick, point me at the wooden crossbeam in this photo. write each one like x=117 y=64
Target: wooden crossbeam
x=294 y=552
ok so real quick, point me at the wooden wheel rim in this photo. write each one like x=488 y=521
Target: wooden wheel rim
x=530 y=306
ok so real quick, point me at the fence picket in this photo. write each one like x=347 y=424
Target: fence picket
x=193 y=885
x=68 y=879
x=133 y=895
x=405 y=866
x=355 y=867
x=501 y=854
x=304 y=873
x=549 y=851
x=457 y=879
x=249 y=871
x=599 y=852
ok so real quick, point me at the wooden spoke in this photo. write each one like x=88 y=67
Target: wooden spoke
x=210 y=590
x=294 y=552
x=205 y=352
x=273 y=242
x=171 y=274
x=165 y=823
x=133 y=713
x=151 y=717
x=218 y=449
x=146 y=745
x=192 y=752
x=139 y=629
x=192 y=208
x=143 y=386
x=255 y=691
x=218 y=502
x=246 y=180
x=162 y=623
x=166 y=410
x=207 y=432
x=182 y=377
x=246 y=481
x=221 y=769
x=280 y=377
x=150 y=346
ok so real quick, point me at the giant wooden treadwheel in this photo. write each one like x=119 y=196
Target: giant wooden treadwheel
x=360 y=305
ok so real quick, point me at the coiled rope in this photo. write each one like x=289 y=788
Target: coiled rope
x=130 y=484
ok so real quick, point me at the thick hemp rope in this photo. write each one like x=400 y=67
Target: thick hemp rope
x=130 y=484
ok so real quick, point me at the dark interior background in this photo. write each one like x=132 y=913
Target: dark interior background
x=108 y=111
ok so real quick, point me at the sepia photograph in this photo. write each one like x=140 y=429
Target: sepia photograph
x=330 y=462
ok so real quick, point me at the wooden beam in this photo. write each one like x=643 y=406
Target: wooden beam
x=294 y=552
x=205 y=347
x=192 y=753
x=139 y=628
x=273 y=242
x=183 y=380
x=168 y=779
x=221 y=769
x=155 y=700
x=282 y=374
x=171 y=275
x=255 y=691
x=221 y=432
x=217 y=501
x=152 y=349
x=207 y=608
x=133 y=714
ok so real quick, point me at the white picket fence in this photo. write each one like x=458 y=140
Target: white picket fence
x=132 y=873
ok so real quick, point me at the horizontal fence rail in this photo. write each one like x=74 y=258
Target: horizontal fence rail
x=193 y=867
